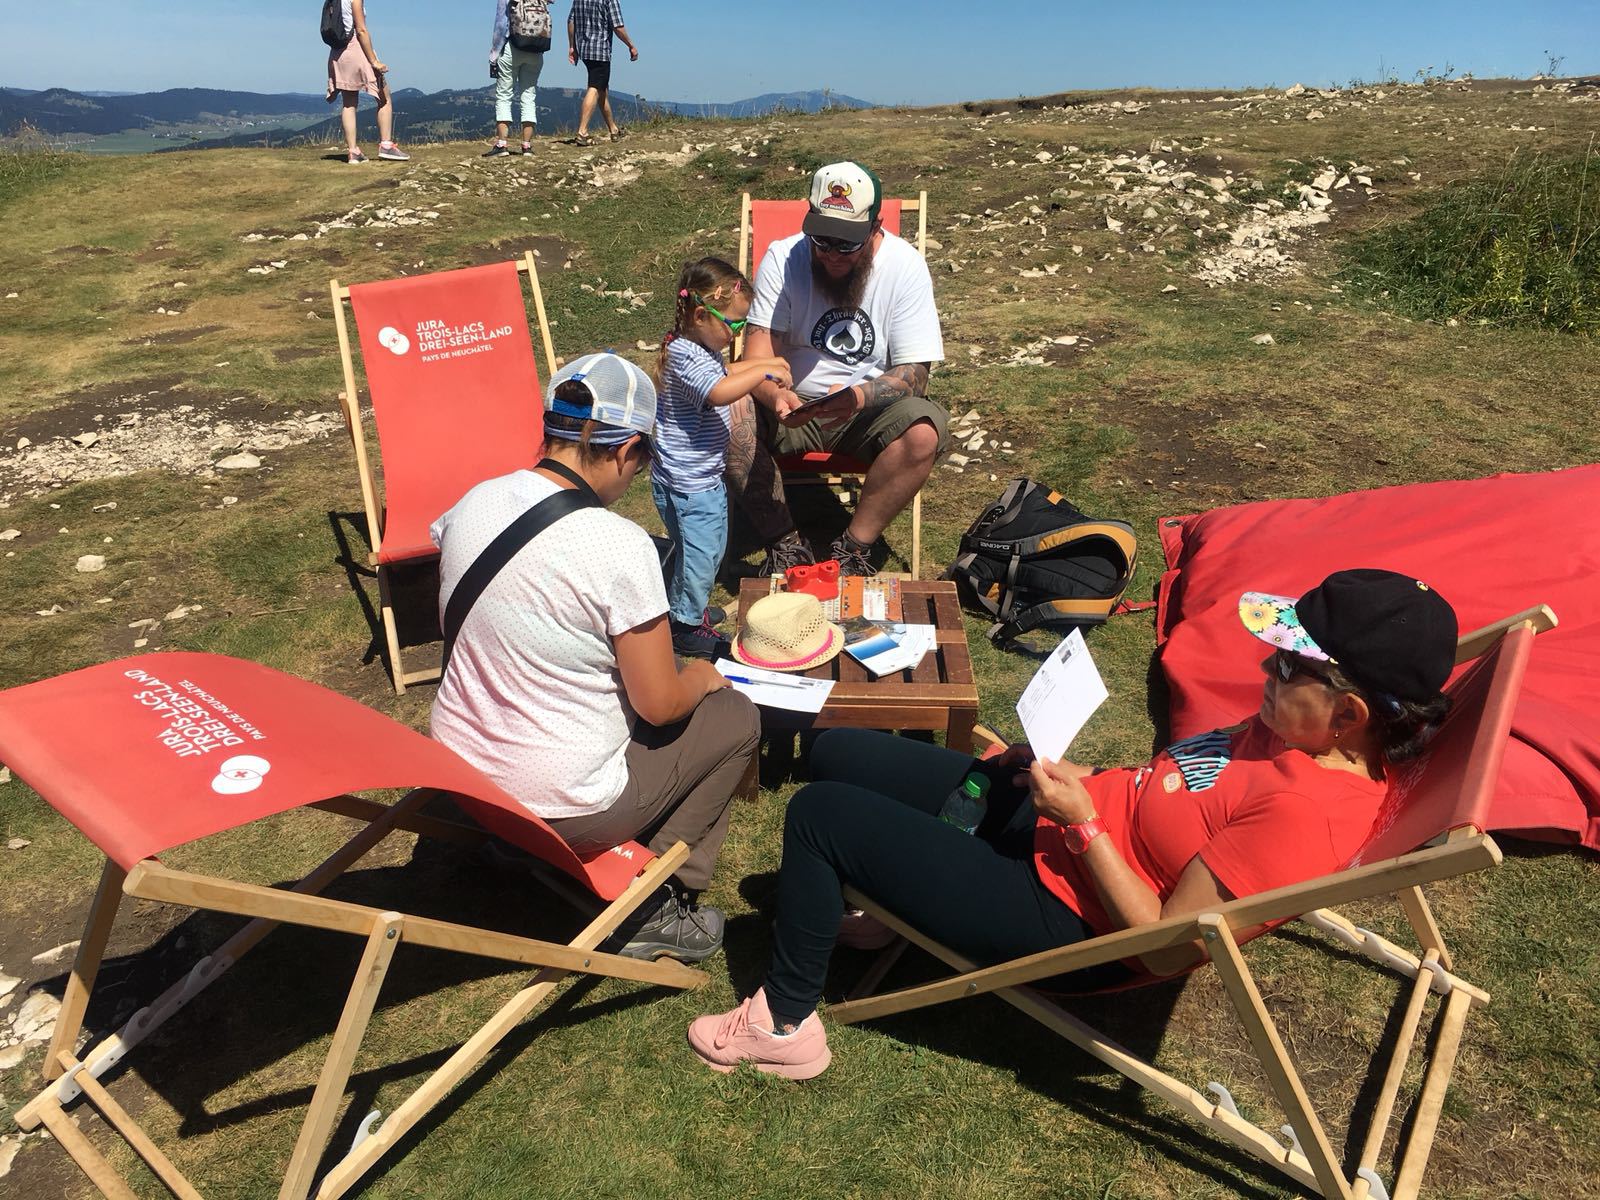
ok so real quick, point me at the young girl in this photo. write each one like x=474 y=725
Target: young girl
x=691 y=443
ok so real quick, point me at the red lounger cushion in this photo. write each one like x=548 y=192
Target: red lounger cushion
x=1491 y=547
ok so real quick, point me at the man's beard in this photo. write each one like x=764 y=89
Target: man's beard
x=846 y=292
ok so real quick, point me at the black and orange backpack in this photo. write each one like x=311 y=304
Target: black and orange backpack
x=1031 y=560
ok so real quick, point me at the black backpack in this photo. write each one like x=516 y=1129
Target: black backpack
x=1031 y=560
x=333 y=31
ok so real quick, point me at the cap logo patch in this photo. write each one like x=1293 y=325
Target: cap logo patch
x=838 y=197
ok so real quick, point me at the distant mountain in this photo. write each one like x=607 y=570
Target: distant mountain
x=59 y=111
x=251 y=118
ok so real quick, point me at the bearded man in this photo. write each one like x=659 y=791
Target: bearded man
x=850 y=306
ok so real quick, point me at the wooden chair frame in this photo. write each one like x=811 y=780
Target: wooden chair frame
x=383 y=931
x=350 y=406
x=1310 y=1159
x=839 y=479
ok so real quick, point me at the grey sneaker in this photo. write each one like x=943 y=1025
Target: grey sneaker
x=679 y=928
x=854 y=558
x=389 y=152
x=498 y=150
x=791 y=550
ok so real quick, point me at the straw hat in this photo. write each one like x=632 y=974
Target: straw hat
x=787 y=632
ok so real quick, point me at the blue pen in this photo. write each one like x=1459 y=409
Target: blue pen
x=766 y=682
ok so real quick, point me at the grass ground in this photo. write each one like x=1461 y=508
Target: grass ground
x=1166 y=406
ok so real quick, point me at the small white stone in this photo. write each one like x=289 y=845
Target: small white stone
x=229 y=501
x=17 y=844
x=1263 y=339
x=10 y=1057
x=45 y=957
x=108 y=506
x=244 y=461
x=91 y=562
x=36 y=1019
x=140 y=643
x=1171 y=287
x=10 y=535
x=23 y=443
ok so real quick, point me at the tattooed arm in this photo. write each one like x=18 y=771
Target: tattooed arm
x=907 y=379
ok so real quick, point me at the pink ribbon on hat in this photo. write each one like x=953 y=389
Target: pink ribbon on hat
x=792 y=663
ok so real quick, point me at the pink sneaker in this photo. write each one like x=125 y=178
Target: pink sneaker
x=860 y=931
x=746 y=1035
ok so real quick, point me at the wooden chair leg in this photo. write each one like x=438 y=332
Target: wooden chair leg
x=1274 y=1059
x=96 y=932
x=916 y=535
x=381 y=945
x=391 y=632
x=1430 y=1103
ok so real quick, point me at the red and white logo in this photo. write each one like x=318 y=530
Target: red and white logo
x=838 y=197
x=392 y=340
x=240 y=774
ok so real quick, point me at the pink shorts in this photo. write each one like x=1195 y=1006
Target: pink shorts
x=349 y=71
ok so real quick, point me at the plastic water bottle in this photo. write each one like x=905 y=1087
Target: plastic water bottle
x=964 y=807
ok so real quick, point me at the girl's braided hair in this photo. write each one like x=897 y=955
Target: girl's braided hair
x=701 y=281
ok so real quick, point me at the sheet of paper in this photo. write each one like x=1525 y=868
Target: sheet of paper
x=1061 y=696
x=776 y=689
x=867 y=370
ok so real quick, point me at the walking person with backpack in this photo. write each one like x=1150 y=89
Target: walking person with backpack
x=516 y=58
x=354 y=67
x=590 y=26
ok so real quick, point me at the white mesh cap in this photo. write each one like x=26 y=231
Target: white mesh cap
x=620 y=395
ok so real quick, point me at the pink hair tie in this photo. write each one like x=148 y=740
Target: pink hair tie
x=683 y=293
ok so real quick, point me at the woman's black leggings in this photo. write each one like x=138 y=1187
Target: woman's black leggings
x=871 y=820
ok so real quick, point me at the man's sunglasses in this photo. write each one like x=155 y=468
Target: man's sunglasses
x=835 y=245
x=735 y=325
x=1286 y=664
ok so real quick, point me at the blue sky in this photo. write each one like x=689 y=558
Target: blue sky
x=888 y=51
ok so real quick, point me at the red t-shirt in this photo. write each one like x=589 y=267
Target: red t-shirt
x=1260 y=814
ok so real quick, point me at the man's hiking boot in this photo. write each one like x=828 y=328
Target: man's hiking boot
x=696 y=641
x=854 y=558
x=677 y=927
x=791 y=550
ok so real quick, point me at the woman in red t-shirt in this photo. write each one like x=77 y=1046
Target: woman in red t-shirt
x=1066 y=853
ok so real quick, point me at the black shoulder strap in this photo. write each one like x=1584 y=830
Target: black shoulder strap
x=510 y=540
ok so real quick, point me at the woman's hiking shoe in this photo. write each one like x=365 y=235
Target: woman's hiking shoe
x=791 y=550
x=713 y=615
x=393 y=153
x=356 y=157
x=747 y=1034
x=677 y=928
x=862 y=931
x=499 y=150
x=696 y=641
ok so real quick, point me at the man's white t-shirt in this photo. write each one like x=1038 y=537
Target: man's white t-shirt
x=826 y=345
x=533 y=697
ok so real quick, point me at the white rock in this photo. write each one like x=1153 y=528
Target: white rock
x=10 y=535
x=49 y=612
x=8 y=984
x=91 y=562
x=36 y=1019
x=108 y=506
x=182 y=611
x=9 y=1057
x=18 y=843
x=239 y=462
x=957 y=460
x=5 y=774
x=1171 y=287
x=1316 y=114
x=1295 y=89
x=229 y=501
x=53 y=954
x=1113 y=224
x=1324 y=181
x=1044 y=156
x=86 y=439
x=1070 y=339
x=23 y=443
x=1263 y=339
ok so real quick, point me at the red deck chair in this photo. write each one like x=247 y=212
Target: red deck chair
x=454 y=389
x=1430 y=828
x=188 y=745
x=762 y=222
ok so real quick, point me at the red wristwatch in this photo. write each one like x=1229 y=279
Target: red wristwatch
x=1079 y=834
